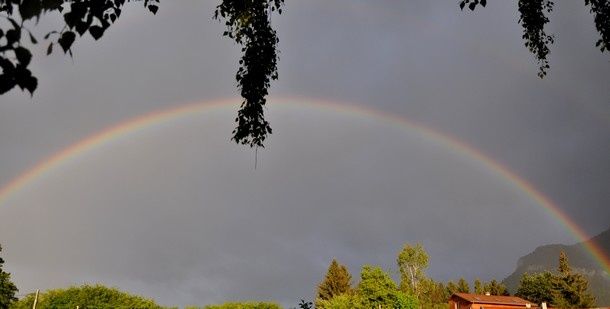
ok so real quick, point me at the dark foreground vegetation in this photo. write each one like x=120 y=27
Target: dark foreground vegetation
x=562 y=288
x=248 y=24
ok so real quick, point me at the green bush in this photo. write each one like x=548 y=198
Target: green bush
x=245 y=305
x=85 y=297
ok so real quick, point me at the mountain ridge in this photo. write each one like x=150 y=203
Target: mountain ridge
x=546 y=258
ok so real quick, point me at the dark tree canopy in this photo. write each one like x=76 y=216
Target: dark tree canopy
x=248 y=24
x=80 y=17
x=533 y=16
x=247 y=21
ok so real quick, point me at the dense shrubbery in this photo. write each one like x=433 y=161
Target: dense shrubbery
x=244 y=305
x=86 y=297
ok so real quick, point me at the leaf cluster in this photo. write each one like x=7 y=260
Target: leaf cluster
x=533 y=17
x=472 y=4
x=14 y=58
x=249 y=25
x=80 y=17
x=601 y=10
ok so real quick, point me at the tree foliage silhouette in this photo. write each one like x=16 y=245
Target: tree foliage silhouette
x=247 y=21
x=80 y=17
x=248 y=24
x=533 y=17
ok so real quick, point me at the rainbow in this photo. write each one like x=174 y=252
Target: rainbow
x=152 y=119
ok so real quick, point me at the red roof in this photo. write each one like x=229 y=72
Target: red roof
x=492 y=299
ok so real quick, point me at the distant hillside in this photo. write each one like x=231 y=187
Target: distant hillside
x=546 y=258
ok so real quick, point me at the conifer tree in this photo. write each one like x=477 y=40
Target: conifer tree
x=478 y=287
x=566 y=289
x=451 y=288
x=7 y=288
x=564 y=266
x=462 y=286
x=574 y=287
x=336 y=282
x=496 y=288
x=433 y=294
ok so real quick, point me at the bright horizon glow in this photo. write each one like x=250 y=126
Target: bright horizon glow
x=115 y=132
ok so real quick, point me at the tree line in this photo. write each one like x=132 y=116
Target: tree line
x=336 y=290
x=376 y=289
x=563 y=288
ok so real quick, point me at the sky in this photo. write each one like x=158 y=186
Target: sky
x=177 y=212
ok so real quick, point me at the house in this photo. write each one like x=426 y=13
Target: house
x=475 y=301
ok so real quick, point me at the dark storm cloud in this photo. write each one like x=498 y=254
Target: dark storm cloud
x=178 y=214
